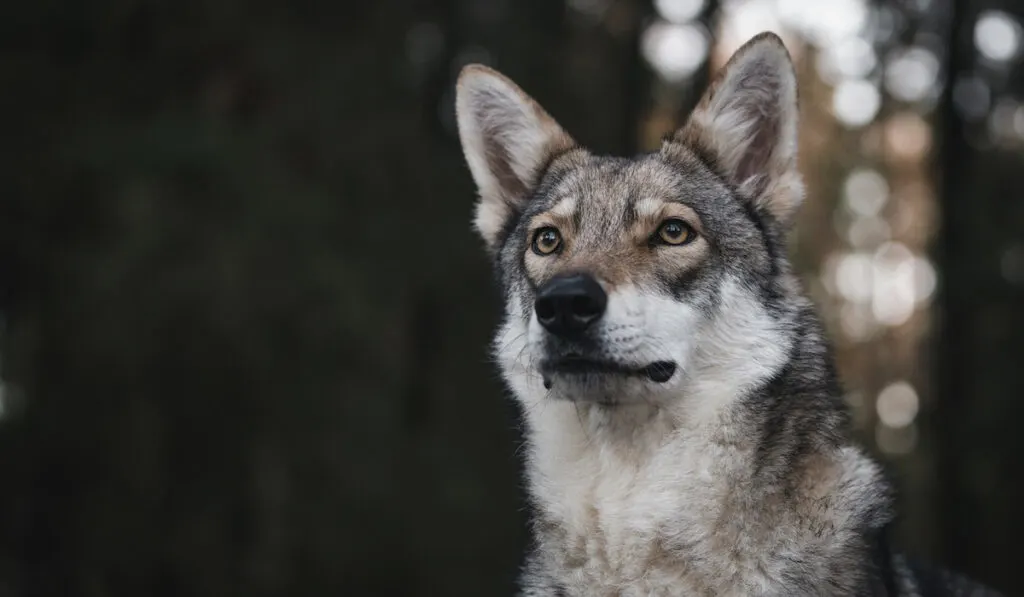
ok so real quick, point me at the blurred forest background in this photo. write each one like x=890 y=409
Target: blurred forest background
x=244 y=322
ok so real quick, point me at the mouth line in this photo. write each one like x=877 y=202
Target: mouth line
x=658 y=371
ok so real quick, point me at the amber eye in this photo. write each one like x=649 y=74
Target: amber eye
x=675 y=232
x=546 y=241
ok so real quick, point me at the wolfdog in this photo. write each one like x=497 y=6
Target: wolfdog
x=686 y=432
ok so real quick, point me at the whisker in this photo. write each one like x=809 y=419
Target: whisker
x=510 y=342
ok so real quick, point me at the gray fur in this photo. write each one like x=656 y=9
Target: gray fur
x=738 y=475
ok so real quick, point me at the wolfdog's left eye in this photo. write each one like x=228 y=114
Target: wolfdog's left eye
x=675 y=232
x=546 y=241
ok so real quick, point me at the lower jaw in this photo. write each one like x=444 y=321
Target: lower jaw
x=617 y=392
x=659 y=372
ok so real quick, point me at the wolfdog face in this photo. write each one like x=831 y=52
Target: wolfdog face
x=640 y=280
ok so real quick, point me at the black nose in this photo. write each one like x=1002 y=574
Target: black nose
x=568 y=304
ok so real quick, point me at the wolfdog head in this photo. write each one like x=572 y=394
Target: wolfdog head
x=642 y=280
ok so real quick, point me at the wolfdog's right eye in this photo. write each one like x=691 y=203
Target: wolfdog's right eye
x=546 y=241
x=675 y=232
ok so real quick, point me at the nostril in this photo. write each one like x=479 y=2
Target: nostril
x=585 y=306
x=545 y=309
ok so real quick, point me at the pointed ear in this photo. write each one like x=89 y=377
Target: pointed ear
x=508 y=139
x=746 y=125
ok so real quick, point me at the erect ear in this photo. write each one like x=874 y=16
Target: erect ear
x=746 y=124
x=507 y=139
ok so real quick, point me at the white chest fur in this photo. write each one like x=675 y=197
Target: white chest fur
x=632 y=519
x=672 y=511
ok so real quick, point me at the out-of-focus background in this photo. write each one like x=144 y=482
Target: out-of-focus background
x=244 y=322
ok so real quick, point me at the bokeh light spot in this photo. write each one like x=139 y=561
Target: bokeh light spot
x=855 y=102
x=908 y=136
x=852 y=58
x=866 y=192
x=911 y=75
x=997 y=35
x=853 y=277
x=678 y=11
x=897 y=405
x=894 y=292
x=675 y=51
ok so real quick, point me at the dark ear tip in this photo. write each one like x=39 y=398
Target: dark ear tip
x=765 y=40
x=766 y=37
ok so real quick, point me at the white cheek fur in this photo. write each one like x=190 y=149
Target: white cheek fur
x=642 y=327
x=716 y=356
